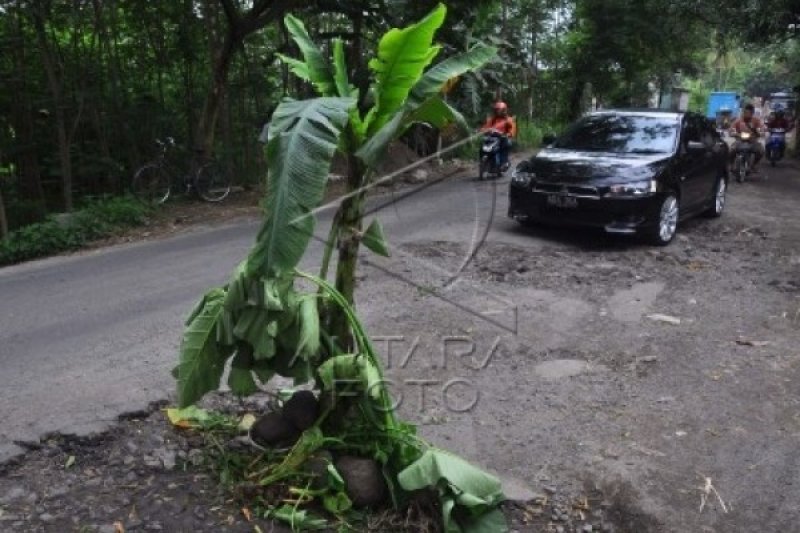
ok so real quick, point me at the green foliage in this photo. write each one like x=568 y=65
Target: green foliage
x=403 y=55
x=99 y=219
x=375 y=240
x=303 y=138
x=529 y=135
x=271 y=327
x=469 y=495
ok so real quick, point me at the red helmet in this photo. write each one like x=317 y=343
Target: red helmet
x=500 y=106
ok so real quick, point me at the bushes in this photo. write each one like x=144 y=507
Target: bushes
x=529 y=135
x=98 y=219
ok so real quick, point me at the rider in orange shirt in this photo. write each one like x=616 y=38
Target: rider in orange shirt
x=503 y=123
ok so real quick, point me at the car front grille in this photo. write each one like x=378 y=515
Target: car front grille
x=579 y=191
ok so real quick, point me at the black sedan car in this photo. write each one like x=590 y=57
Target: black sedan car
x=627 y=172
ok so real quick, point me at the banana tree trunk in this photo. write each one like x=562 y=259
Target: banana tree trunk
x=350 y=216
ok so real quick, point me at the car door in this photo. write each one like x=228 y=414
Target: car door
x=696 y=168
x=718 y=152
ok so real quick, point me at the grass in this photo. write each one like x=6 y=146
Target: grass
x=96 y=220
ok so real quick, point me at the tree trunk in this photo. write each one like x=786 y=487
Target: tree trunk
x=30 y=185
x=350 y=214
x=64 y=156
x=239 y=26
x=3 y=219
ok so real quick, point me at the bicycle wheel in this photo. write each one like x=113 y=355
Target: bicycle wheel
x=212 y=182
x=151 y=184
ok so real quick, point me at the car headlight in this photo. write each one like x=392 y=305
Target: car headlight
x=633 y=189
x=522 y=178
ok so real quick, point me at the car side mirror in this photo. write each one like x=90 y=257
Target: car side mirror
x=548 y=139
x=696 y=147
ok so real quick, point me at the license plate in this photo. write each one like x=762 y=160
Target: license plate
x=564 y=202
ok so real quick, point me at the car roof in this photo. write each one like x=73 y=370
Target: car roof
x=655 y=113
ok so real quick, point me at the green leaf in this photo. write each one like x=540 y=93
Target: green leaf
x=343 y=86
x=466 y=491
x=402 y=56
x=424 y=103
x=299 y=520
x=309 y=327
x=349 y=368
x=339 y=368
x=432 y=82
x=304 y=135
x=317 y=68
x=298 y=68
x=438 y=113
x=240 y=378
x=202 y=360
x=375 y=240
x=337 y=503
x=210 y=295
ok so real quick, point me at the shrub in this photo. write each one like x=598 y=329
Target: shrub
x=98 y=219
x=529 y=135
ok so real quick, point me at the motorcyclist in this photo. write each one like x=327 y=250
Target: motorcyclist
x=502 y=122
x=778 y=121
x=749 y=123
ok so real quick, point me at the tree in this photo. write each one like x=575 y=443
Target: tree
x=268 y=326
x=239 y=26
x=403 y=96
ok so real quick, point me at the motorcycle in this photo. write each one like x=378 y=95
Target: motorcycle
x=745 y=155
x=490 y=165
x=776 y=145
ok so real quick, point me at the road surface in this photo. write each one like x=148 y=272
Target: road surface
x=85 y=338
x=597 y=360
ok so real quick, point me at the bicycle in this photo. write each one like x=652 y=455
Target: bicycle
x=206 y=178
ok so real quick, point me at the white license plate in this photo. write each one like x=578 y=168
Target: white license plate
x=564 y=202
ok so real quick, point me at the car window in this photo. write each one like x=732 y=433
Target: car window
x=626 y=134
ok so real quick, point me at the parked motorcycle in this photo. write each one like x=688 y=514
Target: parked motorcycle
x=490 y=165
x=776 y=145
x=745 y=155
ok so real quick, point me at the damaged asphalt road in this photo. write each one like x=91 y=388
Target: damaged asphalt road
x=557 y=358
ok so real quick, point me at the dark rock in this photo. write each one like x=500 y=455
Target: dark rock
x=317 y=466
x=273 y=430
x=302 y=409
x=364 y=482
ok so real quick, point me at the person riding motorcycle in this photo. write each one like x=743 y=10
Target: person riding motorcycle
x=778 y=121
x=748 y=123
x=502 y=122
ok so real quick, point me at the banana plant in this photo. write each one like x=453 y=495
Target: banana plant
x=262 y=322
x=405 y=89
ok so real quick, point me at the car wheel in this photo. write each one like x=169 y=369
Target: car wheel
x=719 y=199
x=667 y=226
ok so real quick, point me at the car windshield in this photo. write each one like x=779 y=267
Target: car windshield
x=624 y=134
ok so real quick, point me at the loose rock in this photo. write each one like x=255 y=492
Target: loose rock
x=274 y=430
x=363 y=480
x=302 y=409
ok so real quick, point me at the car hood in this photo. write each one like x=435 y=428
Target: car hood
x=567 y=166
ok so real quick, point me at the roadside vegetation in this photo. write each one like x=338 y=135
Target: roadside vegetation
x=98 y=219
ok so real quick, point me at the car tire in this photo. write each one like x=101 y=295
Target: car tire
x=719 y=199
x=666 y=227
